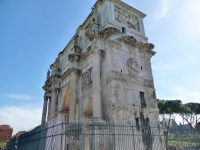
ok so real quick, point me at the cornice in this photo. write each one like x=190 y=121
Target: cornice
x=74 y=57
x=47 y=86
x=54 y=78
x=132 y=40
x=107 y=32
x=102 y=34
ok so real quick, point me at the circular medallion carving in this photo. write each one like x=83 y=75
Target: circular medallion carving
x=132 y=66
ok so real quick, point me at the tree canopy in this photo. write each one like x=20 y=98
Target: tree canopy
x=190 y=112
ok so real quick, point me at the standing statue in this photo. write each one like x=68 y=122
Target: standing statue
x=48 y=74
x=76 y=40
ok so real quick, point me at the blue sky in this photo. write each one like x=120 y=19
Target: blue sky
x=32 y=33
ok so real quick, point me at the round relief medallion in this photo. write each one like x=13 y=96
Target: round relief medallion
x=132 y=66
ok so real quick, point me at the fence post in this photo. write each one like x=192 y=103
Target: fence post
x=61 y=134
x=39 y=139
x=133 y=136
x=114 y=135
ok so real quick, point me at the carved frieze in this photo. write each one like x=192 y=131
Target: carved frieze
x=127 y=19
x=132 y=66
x=129 y=78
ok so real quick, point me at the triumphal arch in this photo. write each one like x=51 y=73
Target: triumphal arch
x=104 y=72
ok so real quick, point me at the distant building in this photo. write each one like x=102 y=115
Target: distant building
x=5 y=133
x=18 y=134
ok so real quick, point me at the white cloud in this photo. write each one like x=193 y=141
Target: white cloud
x=21 y=118
x=19 y=96
x=186 y=94
x=171 y=65
x=189 y=19
x=166 y=6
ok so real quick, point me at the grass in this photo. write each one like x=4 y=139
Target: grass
x=2 y=144
x=183 y=140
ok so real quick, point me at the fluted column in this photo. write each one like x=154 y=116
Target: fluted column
x=44 y=112
x=96 y=84
x=49 y=109
x=53 y=103
x=73 y=85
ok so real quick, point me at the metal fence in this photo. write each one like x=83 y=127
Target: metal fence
x=184 y=139
x=105 y=135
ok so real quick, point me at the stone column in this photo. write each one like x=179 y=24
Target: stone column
x=73 y=85
x=52 y=104
x=96 y=84
x=49 y=109
x=44 y=112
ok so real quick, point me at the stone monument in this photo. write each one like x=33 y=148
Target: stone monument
x=104 y=72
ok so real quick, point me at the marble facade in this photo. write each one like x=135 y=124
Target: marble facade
x=105 y=71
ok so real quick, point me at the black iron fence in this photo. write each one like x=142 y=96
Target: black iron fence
x=105 y=135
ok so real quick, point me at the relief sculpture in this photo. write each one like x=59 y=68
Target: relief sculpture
x=116 y=94
x=132 y=66
x=129 y=20
x=87 y=78
x=129 y=78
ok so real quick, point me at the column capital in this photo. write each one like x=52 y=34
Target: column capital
x=47 y=95
x=76 y=71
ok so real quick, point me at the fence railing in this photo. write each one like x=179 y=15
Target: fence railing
x=105 y=135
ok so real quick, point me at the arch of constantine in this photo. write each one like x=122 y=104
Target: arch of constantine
x=104 y=72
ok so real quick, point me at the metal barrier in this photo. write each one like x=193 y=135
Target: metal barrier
x=105 y=135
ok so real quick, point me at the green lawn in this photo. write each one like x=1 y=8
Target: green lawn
x=2 y=144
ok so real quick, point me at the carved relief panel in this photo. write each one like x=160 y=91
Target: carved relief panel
x=87 y=78
x=127 y=19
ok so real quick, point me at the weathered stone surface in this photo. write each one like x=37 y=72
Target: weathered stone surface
x=105 y=71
